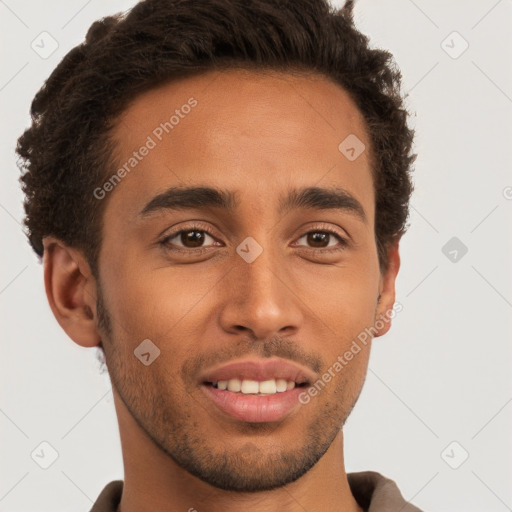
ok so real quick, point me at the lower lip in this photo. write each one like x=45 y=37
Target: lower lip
x=254 y=408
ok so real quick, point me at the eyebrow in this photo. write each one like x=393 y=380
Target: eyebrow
x=199 y=197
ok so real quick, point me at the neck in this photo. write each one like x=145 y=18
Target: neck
x=153 y=481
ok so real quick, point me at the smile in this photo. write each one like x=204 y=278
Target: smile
x=254 y=387
x=254 y=407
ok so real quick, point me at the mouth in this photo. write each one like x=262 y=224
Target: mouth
x=256 y=391
x=254 y=387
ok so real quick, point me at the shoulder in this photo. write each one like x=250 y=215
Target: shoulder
x=109 y=498
x=375 y=492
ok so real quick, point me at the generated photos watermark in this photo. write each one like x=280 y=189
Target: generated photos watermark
x=343 y=359
x=157 y=135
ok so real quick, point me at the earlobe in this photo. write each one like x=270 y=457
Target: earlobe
x=71 y=291
x=387 y=290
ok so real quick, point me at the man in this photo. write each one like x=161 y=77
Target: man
x=218 y=189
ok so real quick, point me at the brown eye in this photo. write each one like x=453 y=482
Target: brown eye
x=321 y=239
x=194 y=238
x=318 y=239
x=191 y=238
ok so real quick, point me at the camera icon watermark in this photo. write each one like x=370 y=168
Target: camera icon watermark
x=249 y=249
x=454 y=45
x=146 y=352
x=352 y=147
x=44 y=45
x=454 y=249
x=455 y=455
x=44 y=455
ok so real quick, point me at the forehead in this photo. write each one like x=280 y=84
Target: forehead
x=255 y=133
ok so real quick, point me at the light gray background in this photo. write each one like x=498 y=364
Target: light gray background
x=443 y=372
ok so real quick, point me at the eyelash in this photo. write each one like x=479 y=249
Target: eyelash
x=201 y=250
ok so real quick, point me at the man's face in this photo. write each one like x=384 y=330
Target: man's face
x=302 y=300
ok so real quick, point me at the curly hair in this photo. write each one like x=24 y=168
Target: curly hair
x=66 y=153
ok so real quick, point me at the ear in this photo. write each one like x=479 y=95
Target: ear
x=71 y=291
x=387 y=290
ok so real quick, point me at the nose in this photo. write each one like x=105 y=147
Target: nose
x=259 y=297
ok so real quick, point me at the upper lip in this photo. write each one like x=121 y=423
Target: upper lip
x=260 y=370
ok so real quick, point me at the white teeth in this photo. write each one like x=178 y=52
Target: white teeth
x=250 y=386
x=281 y=385
x=234 y=385
x=268 y=386
x=254 y=387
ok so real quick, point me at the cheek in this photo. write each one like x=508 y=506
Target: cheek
x=157 y=303
x=345 y=302
x=343 y=296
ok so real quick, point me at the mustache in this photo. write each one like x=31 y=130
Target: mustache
x=273 y=347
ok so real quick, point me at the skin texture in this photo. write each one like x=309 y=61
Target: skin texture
x=257 y=134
